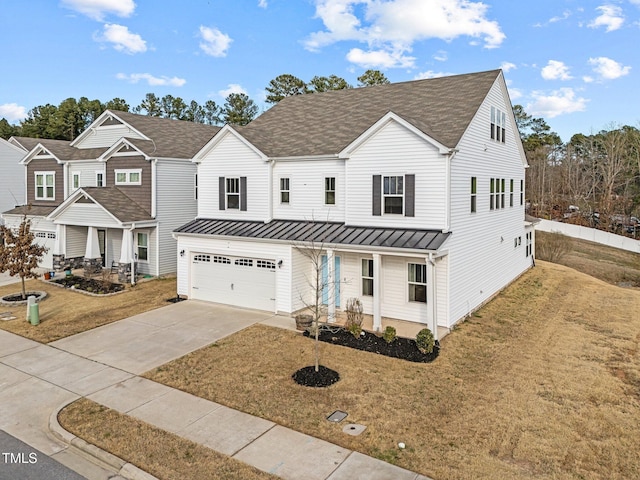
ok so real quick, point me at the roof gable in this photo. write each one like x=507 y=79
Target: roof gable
x=327 y=123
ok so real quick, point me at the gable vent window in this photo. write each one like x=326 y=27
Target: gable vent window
x=498 y=123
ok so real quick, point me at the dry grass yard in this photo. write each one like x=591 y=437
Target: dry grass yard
x=543 y=382
x=64 y=312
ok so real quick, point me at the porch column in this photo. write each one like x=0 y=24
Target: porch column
x=92 y=258
x=331 y=286
x=377 y=300
x=432 y=320
x=59 y=248
x=126 y=257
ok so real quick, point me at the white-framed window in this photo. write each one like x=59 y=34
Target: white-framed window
x=498 y=123
x=417 y=282
x=367 y=277
x=233 y=193
x=393 y=194
x=502 y=192
x=195 y=186
x=511 y=192
x=474 y=193
x=99 y=179
x=528 y=244
x=497 y=188
x=492 y=193
x=521 y=192
x=330 y=190
x=284 y=190
x=129 y=177
x=75 y=180
x=142 y=246
x=45 y=186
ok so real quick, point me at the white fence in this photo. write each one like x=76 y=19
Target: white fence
x=591 y=234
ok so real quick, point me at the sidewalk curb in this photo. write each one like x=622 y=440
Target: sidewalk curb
x=123 y=468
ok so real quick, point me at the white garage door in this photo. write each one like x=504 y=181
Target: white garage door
x=242 y=281
x=46 y=239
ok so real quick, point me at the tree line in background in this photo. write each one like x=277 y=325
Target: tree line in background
x=69 y=119
x=598 y=173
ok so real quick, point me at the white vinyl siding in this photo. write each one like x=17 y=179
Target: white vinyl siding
x=231 y=158
x=175 y=206
x=76 y=241
x=307 y=190
x=482 y=259
x=393 y=151
x=85 y=173
x=12 y=180
x=88 y=214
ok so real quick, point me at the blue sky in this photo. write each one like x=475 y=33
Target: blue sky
x=573 y=62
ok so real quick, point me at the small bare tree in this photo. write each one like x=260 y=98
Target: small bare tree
x=18 y=254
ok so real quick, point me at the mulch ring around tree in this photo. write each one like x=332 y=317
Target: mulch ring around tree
x=400 y=347
x=89 y=285
x=308 y=376
x=15 y=299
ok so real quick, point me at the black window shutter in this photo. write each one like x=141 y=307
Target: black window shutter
x=377 y=195
x=243 y=194
x=409 y=195
x=221 y=193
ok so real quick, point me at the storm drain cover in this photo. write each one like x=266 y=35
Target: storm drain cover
x=337 y=416
x=354 y=429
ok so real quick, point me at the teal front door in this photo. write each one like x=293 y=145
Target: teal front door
x=332 y=285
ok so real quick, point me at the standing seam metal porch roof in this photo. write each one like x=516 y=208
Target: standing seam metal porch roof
x=329 y=233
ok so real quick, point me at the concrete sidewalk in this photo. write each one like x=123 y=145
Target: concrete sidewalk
x=37 y=380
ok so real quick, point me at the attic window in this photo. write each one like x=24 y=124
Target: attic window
x=498 y=123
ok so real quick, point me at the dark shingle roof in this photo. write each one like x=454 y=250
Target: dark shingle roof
x=31 y=210
x=171 y=138
x=116 y=202
x=325 y=123
x=319 y=232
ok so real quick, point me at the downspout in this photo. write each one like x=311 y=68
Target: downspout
x=449 y=157
x=270 y=192
x=433 y=295
x=133 y=259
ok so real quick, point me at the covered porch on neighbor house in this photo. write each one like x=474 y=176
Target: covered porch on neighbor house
x=103 y=228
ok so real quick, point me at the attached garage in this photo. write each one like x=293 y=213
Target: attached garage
x=48 y=240
x=240 y=281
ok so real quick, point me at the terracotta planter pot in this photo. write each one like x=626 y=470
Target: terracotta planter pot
x=47 y=276
x=303 y=322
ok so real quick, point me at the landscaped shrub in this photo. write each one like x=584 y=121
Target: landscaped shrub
x=551 y=247
x=389 y=334
x=425 y=341
x=354 y=316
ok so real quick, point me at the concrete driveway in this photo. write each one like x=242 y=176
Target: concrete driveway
x=148 y=340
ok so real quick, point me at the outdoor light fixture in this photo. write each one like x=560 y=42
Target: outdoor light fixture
x=279 y=263
x=182 y=253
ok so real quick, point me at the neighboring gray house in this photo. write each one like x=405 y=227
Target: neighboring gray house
x=12 y=185
x=414 y=191
x=114 y=194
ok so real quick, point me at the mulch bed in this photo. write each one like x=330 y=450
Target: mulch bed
x=90 y=285
x=308 y=376
x=403 y=348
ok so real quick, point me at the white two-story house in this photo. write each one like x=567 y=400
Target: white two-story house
x=112 y=197
x=11 y=175
x=414 y=192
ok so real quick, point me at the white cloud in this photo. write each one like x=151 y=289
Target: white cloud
x=379 y=58
x=608 y=69
x=98 y=9
x=152 y=80
x=508 y=66
x=556 y=70
x=232 y=88
x=214 y=42
x=441 y=56
x=122 y=39
x=393 y=26
x=13 y=112
x=610 y=17
x=566 y=14
x=556 y=103
x=431 y=74
x=263 y=3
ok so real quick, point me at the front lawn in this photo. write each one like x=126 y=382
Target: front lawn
x=65 y=312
